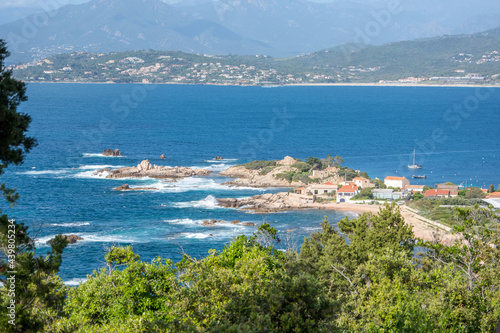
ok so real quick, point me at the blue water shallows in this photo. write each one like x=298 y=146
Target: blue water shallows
x=455 y=132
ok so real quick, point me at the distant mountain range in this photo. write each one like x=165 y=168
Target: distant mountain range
x=272 y=27
x=464 y=59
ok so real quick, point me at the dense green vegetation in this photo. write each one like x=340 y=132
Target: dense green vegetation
x=373 y=283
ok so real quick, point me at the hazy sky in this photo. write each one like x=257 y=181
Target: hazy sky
x=37 y=3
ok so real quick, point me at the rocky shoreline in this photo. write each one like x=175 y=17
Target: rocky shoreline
x=146 y=169
x=268 y=203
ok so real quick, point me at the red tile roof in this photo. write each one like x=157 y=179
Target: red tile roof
x=348 y=189
x=495 y=195
x=329 y=184
x=432 y=193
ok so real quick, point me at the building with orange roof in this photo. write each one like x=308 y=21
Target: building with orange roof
x=437 y=193
x=494 y=195
x=346 y=192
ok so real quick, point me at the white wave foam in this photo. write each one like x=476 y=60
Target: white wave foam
x=44 y=172
x=72 y=224
x=196 y=235
x=184 y=221
x=90 y=174
x=92 y=238
x=197 y=184
x=98 y=155
x=210 y=202
x=107 y=238
x=74 y=282
x=99 y=166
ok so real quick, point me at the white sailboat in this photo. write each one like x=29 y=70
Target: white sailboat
x=414 y=166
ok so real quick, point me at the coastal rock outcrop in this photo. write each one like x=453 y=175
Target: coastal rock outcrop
x=287 y=161
x=126 y=187
x=218 y=158
x=212 y=223
x=146 y=169
x=162 y=157
x=267 y=203
x=110 y=152
x=72 y=239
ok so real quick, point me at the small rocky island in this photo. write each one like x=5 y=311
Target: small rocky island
x=72 y=239
x=110 y=152
x=146 y=169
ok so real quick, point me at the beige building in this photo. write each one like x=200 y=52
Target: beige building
x=363 y=182
x=321 y=189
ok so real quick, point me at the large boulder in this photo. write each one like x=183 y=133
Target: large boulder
x=145 y=166
x=162 y=157
x=287 y=161
x=110 y=152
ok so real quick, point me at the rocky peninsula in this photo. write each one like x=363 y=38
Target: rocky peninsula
x=274 y=174
x=146 y=169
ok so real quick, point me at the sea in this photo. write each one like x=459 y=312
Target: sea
x=455 y=132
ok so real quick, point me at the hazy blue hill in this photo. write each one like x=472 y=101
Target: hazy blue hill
x=430 y=56
x=280 y=28
x=120 y=25
x=12 y=14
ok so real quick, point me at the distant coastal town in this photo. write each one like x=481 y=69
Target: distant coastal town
x=156 y=67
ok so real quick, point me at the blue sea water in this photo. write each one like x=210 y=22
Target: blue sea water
x=455 y=132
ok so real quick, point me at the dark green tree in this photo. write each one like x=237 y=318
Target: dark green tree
x=491 y=189
x=14 y=143
x=30 y=290
x=475 y=193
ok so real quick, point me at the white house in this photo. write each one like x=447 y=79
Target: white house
x=414 y=188
x=345 y=193
x=395 y=182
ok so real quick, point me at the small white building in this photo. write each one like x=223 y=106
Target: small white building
x=414 y=188
x=396 y=182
